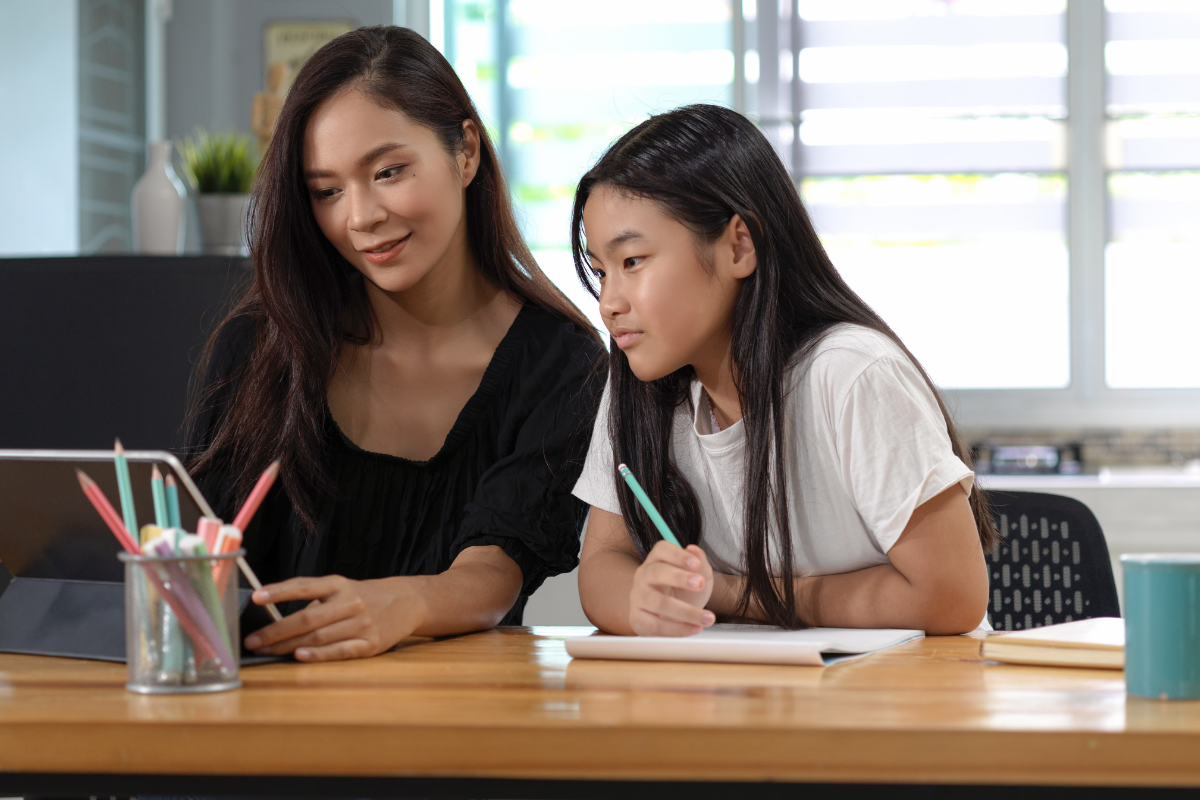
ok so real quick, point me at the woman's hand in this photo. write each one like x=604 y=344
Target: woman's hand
x=670 y=590
x=357 y=619
x=346 y=619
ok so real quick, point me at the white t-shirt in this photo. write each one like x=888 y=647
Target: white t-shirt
x=870 y=445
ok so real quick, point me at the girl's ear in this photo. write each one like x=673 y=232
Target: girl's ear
x=468 y=157
x=745 y=259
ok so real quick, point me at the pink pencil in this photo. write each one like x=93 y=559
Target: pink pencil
x=207 y=529
x=107 y=513
x=257 y=495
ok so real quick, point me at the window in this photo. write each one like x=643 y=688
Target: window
x=1013 y=184
x=1152 y=262
x=931 y=156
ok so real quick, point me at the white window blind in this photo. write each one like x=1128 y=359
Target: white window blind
x=931 y=157
x=1152 y=262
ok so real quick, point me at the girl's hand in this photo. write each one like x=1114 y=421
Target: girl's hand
x=670 y=590
x=346 y=619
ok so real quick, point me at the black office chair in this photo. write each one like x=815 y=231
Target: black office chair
x=1051 y=565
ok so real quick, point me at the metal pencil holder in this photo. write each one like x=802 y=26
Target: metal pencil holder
x=181 y=623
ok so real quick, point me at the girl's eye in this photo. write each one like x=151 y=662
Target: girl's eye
x=389 y=172
x=599 y=273
x=324 y=194
x=633 y=261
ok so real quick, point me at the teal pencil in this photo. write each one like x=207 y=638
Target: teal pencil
x=173 y=503
x=158 y=492
x=644 y=499
x=125 y=488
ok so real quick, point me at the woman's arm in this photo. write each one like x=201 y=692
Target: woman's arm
x=664 y=595
x=356 y=619
x=936 y=581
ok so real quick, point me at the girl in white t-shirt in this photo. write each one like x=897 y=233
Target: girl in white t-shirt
x=787 y=436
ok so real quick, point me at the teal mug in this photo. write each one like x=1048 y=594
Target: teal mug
x=1162 y=625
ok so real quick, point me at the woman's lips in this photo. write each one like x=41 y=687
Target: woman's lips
x=626 y=339
x=383 y=256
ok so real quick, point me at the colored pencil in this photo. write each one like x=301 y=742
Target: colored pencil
x=107 y=513
x=257 y=494
x=172 y=645
x=191 y=612
x=228 y=540
x=207 y=529
x=644 y=499
x=125 y=488
x=173 y=503
x=202 y=579
x=161 y=518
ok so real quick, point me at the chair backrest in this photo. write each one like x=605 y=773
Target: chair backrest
x=1051 y=565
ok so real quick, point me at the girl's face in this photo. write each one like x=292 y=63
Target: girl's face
x=664 y=308
x=384 y=191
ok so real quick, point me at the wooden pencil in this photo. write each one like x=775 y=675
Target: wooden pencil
x=125 y=488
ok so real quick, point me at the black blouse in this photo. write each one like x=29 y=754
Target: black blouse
x=503 y=476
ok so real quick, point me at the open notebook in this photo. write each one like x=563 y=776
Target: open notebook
x=744 y=644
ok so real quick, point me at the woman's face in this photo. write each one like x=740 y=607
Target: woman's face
x=384 y=191
x=664 y=308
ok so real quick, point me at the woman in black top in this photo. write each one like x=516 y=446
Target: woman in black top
x=428 y=390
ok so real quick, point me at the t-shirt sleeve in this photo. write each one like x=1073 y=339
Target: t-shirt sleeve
x=523 y=502
x=893 y=447
x=597 y=484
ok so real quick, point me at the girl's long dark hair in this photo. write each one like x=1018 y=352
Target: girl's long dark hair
x=306 y=300
x=703 y=164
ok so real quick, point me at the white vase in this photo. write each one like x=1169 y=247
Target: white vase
x=223 y=223
x=158 y=201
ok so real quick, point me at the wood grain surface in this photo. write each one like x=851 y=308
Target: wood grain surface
x=510 y=703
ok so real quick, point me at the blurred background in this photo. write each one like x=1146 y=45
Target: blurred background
x=1013 y=184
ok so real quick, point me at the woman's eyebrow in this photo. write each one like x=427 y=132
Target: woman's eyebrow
x=620 y=239
x=362 y=162
x=378 y=151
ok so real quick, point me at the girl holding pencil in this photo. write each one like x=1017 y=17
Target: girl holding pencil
x=786 y=436
x=427 y=389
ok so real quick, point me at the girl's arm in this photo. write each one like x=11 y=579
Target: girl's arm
x=664 y=595
x=937 y=579
x=356 y=619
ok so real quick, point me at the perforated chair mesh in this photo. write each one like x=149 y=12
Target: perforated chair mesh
x=1052 y=564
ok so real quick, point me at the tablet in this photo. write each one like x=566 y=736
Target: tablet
x=65 y=595
x=49 y=529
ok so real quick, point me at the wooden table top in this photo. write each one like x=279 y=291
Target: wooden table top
x=510 y=703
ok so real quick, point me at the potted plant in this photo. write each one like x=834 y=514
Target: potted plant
x=221 y=167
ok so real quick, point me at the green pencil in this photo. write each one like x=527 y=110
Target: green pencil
x=173 y=503
x=125 y=489
x=644 y=499
x=161 y=518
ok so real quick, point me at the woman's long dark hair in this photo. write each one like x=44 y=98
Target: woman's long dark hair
x=701 y=165
x=306 y=300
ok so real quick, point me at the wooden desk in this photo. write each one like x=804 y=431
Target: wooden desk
x=510 y=704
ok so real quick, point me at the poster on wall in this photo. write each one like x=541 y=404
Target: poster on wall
x=286 y=46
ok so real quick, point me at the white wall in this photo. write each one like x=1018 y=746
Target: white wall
x=39 y=130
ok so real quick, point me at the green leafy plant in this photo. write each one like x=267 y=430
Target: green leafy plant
x=219 y=162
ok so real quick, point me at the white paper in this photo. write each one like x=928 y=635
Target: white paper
x=745 y=644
